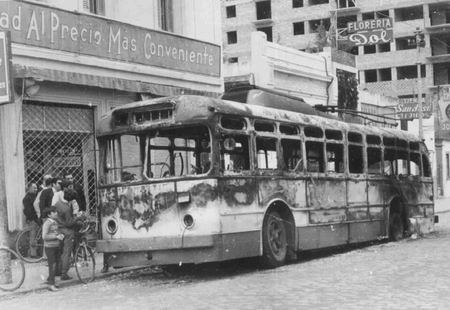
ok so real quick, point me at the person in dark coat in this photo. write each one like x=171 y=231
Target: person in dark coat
x=31 y=217
x=52 y=185
x=80 y=197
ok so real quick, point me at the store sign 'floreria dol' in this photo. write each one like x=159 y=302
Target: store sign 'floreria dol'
x=89 y=35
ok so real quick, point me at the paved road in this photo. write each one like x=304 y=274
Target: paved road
x=411 y=274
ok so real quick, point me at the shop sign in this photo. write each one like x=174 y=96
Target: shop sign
x=408 y=108
x=56 y=29
x=370 y=32
x=442 y=96
x=5 y=64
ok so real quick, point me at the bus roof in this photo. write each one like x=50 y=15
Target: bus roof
x=191 y=109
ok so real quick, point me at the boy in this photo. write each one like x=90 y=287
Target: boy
x=51 y=238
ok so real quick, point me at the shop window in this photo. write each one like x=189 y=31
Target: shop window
x=355 y=159
x=234 y=153
x=410 y=13
x=370 y=76
x=385 y=74
x=297 y=3
x=231 y=11
x=299 y=28
x=292 y=154
x=335 y=158
x=232 y=37
x=374 y=163
x=314 y=156
x=267 y=31
x=263 y=10
x=266 y=153
x=233 y=60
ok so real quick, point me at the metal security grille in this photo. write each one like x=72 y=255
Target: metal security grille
x=59 y=140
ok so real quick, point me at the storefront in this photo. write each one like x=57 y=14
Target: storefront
x=68 y=70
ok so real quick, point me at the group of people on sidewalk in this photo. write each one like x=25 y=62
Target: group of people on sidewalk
x=59 y=207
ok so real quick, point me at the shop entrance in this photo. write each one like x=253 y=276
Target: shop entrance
x=59 y=140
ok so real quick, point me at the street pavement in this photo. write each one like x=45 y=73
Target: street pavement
x=411 y=274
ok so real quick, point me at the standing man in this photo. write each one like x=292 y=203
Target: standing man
x=66 y=224
x=53 y=186
x=80 y=198
x=31 y=217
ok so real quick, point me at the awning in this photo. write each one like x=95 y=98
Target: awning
x=20 y=71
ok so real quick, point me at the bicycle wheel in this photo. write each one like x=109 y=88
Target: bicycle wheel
x=23 y=246
x=12 y=270
x=85 y=263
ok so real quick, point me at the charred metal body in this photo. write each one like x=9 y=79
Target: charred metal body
x=262 y=182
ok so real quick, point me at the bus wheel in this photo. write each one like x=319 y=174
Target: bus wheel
x=274 y=241
x=396 y=228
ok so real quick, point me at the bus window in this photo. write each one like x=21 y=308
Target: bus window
x=289 y=130
x=314 y=156
x=313 y=132
x=374 y=163
x=234 y=153
x=414 y=164
x=333 y=134
x=399 y=160
x=236 y=123
x=124 y=159
x=292 y=154
x=355 y=159
x=335 y=158
x=264 y=126
x=373 y=139
x=266 y=153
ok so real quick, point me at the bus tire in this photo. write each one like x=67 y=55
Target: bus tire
x=274 y=241
x=396 y=228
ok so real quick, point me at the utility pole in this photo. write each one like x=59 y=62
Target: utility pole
x=418 y=34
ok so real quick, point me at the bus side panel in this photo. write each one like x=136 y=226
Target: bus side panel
x=326 y=194
x=290 y=190
x=315 y=237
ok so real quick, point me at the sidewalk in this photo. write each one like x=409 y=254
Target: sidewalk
x=36 y=275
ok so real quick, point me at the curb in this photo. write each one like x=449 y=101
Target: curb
x=72 y=282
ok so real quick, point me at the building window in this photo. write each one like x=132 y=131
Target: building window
x=411 y=13
x=299 y=28
x=231 y=11
x=297 y=3
x=447 y=164
x=409 y=72
x=263 y=10
x=94 y=6
x=385 y=74
x=165 y=15
x=314 y=24
x=342 y=4
x=369 y=49
x=405 y=43
x=232 y=37
x=233 y=60
x=384 y=47
x=316 y=2
x=267 y=31
x=370 y=75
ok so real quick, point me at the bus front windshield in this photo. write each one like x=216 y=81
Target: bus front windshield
x=155 y=154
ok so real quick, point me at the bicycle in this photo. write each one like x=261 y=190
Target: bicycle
x=84 y=259
x=13 y=274
x=22 y=245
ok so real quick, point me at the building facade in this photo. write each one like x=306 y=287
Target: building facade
x=390 y=69
x=73 y=60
